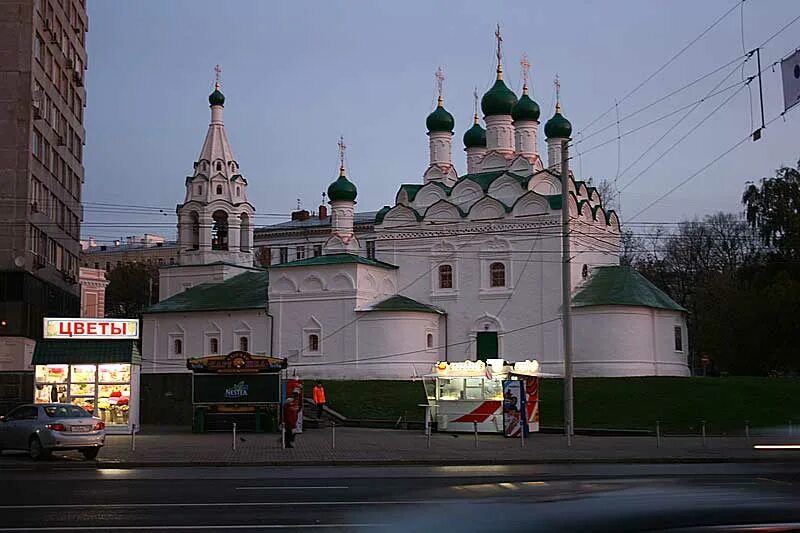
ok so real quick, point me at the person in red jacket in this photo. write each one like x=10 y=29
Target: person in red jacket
x=318 y=396
x=291 y=412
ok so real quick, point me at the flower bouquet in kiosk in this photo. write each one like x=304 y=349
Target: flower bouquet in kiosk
x=491 y=397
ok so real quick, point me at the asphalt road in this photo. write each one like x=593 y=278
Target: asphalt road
x=462 y=499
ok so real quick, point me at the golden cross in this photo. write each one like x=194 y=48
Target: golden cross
x=439 y=82
x=499 y=37
x=475 y=97
x=342 y=148
x=217 y=76
x=557 y=84
x=526 y=67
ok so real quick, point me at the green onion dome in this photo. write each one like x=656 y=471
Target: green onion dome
x=216 y=98
x=499 y=100
x=381 y=214
x=475 y=137
x=558 y=127
x=342 y=189
x=526 y=108
x=440 y=119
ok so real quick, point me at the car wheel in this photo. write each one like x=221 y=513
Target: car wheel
x=90 y=453
x=36 y=450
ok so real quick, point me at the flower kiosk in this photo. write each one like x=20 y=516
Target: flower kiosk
x=488 y=397
x=93 y=363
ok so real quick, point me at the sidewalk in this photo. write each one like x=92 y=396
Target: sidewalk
x=379 y=446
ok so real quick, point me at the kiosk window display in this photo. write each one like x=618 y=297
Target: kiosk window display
x=104 y=390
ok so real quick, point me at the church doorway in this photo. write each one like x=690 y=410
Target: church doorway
x=487 y=347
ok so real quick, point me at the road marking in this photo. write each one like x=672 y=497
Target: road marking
x=777 y=446
x=342 y=487
x=193 y=527
x=219 y=504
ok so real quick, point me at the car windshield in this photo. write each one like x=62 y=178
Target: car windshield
x=65 y=411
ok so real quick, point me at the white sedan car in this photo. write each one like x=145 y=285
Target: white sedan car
x=43 y=428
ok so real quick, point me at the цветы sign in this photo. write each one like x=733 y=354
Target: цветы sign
x=91 y=328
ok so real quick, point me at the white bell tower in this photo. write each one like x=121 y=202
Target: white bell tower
x=215 y=220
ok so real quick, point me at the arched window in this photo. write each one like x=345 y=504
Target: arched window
x=194 y=228
x=238 y=190
x=205 y=166
x=244 y=344
x=244 y=233
x=199 y=189
x=429 y=341
x=219 y=231
x=497 y=275
x=219 y=189
x=219 y=166
x=313 y=342
x=445 y=277
x=177 y=346
x=213 y=345
x=585 y=271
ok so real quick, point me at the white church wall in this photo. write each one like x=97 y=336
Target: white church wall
x=627 y=341
x=194 y=331
x=535 y=297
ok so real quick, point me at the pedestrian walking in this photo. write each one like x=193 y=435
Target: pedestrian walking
x=291 y=412
x=318 y=397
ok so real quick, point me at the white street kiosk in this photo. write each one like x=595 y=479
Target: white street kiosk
x=490 y=397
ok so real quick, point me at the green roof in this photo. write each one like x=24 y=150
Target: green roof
x=440 y=119
x=85 y=351
x=216 y=98
x=622 y=285
x=245 y=291
x=342 y=189
x=335 y=259
x=404 y=303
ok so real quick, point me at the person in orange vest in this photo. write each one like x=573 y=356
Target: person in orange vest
x=318 y=397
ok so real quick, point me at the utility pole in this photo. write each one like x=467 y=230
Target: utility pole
x=566 y=290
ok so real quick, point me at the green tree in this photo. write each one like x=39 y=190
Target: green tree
x=773 y=208
x=132 y=288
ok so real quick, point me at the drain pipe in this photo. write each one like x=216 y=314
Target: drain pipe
x=446 y=343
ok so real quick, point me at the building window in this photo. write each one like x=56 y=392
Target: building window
x=283 y=255
x=585 y=271
x=177 y=347
x=160 y=260
x=219 y=166
x=171 y=260
x=445 y=277
x=97 y=266
x=313 y=342
x=108 y=266
x=317 y=250
x=244 y=344
x=301 y=252
x=678 y=339
x=213 y=345
x=219 y=189
x=238 y=191
x=429 y=341
x=219 y=231
x=497 y=275
x=194 y=225
x=370 y=249
x=199 y=189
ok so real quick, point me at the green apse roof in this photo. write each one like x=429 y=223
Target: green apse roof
x=334 y=259
x=475 y=137
x=558 y=127
x=85 y=351
x=382 y=213
x=245 y=291
x=404 y=303
x=342 y=189
x=525 y=108
x=216 y=98
x=440 y=119
x=622 y=285
x=499 y=99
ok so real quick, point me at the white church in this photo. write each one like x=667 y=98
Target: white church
x=458 y=268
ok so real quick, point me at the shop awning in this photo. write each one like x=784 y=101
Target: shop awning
x=85 y=351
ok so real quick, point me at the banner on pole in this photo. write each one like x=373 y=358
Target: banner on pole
x=790 y=72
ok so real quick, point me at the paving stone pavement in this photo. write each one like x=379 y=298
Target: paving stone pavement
x=371 y=446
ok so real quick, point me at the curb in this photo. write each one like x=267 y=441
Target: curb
x=100 y=465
